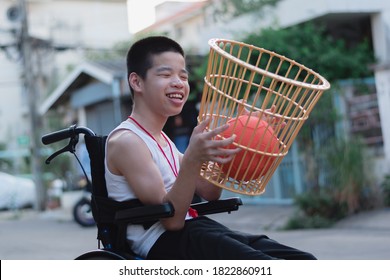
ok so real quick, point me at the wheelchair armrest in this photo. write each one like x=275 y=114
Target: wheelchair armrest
x=145 y=213
x=150 y=213
x=217 y=206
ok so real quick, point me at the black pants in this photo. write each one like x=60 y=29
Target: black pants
x=203 y=238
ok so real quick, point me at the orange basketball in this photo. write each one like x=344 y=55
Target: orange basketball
x=248 y=164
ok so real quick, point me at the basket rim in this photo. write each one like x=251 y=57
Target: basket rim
x=213 y=43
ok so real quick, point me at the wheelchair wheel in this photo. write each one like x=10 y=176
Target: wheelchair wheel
x=100 y=255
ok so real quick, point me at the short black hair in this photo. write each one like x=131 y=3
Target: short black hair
x=139 y=56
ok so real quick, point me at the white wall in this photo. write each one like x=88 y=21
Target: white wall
x=94 y=24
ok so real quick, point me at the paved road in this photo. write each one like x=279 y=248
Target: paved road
x=49 y=235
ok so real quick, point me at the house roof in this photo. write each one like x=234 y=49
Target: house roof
x=104 y=71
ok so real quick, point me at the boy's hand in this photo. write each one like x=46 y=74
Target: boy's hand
x=204 y=146
x=268 y=115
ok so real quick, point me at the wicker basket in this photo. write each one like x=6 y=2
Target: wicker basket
x=242 y=77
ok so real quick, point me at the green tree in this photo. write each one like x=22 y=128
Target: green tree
x=312 y=46
x=342 y=160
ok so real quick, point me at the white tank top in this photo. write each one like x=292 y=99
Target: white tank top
x=142 y=240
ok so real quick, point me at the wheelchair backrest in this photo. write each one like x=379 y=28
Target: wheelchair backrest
x=103 y=208
x=111 y=234
x=96 y=150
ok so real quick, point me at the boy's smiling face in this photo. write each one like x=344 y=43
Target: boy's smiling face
x=166 y=83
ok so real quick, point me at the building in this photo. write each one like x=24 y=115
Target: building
x=95 y=94
x=62 y=32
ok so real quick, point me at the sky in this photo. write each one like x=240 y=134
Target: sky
x=141 y=13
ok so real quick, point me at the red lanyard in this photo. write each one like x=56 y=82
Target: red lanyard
x=173 y=167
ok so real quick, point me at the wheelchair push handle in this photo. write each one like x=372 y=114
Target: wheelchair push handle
x=66 y=133
x=71 y=133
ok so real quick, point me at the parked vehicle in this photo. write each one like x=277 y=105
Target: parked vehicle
x=82 y=211
x=16 y=192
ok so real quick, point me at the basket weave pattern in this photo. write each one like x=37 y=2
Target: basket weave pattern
x=242 y=77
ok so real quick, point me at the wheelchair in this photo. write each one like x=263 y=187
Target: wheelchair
x=112 y=217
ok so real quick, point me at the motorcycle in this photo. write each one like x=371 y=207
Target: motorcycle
x=82 y=211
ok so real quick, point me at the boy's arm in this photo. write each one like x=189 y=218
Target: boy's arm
x=128 y=155
x=202 y=148
x=207 y=190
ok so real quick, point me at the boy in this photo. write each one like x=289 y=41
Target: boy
x=142 y=162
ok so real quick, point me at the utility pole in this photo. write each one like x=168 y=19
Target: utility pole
x=30 y=89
